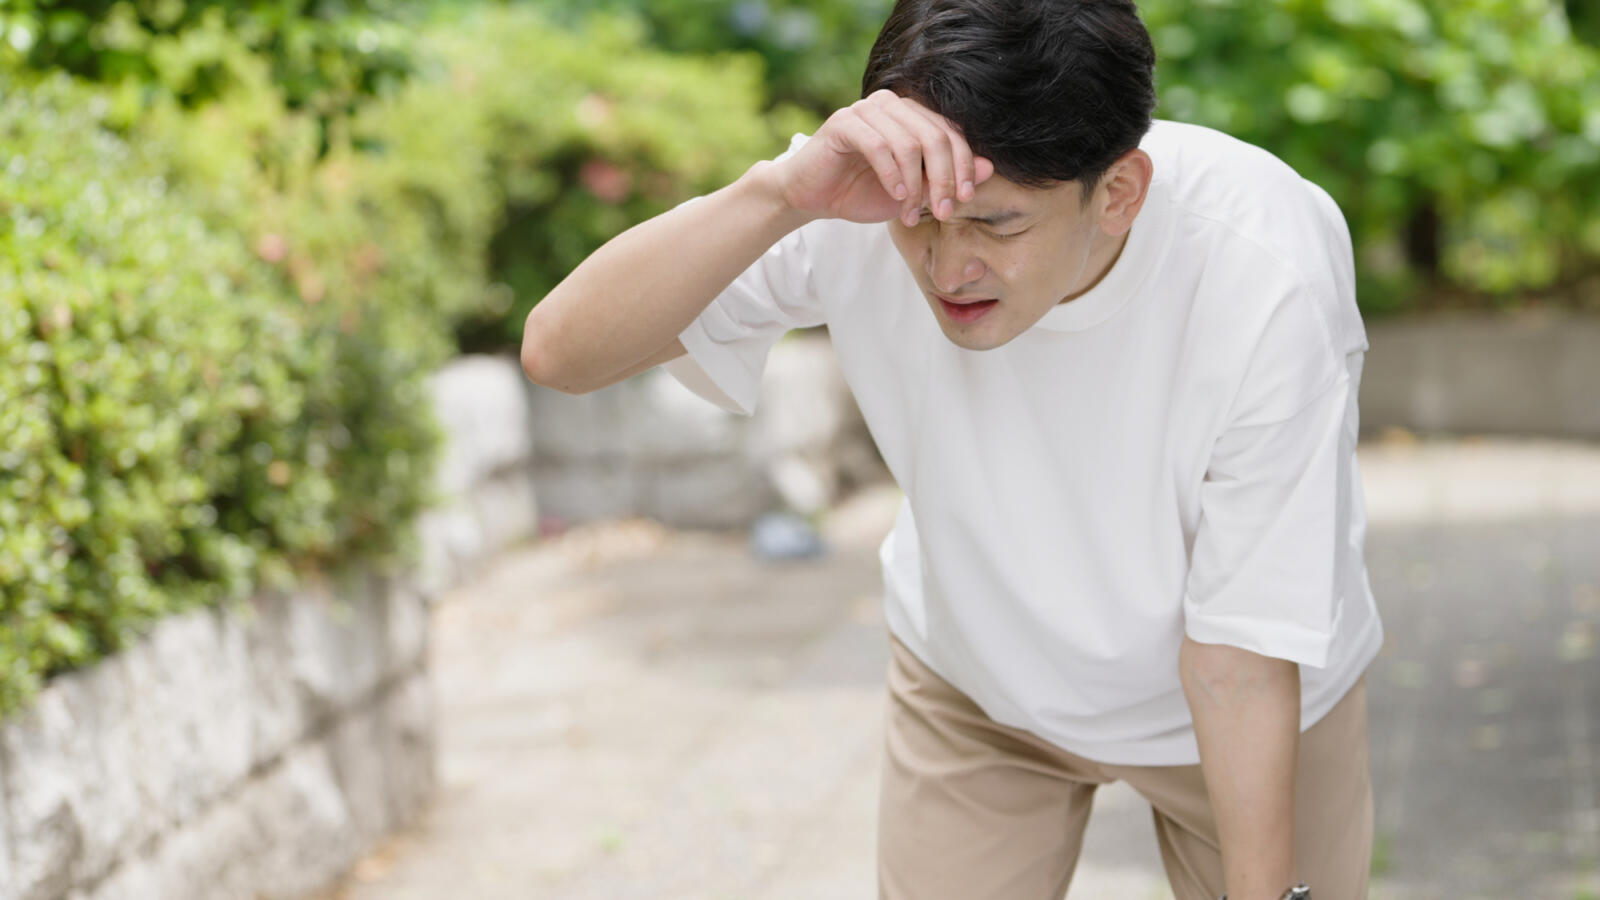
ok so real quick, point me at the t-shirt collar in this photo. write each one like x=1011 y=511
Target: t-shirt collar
x=1147 y=242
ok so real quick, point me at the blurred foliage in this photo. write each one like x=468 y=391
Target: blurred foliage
x=1461 y=137
x=221 y=316
x=324 y=56
x=1585 y=18
x=188 y=414
x=581 y=133
x=230 y=252
x=813 y=50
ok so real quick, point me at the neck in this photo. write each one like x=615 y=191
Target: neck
x=1100 y=261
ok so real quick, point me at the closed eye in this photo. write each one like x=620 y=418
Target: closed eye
x=926 y=216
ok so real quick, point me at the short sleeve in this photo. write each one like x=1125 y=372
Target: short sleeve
x=1275 y=501
x=728 y=343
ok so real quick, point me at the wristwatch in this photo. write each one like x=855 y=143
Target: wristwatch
x=1298 y=892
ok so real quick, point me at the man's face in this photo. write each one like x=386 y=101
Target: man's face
x=1004 y=258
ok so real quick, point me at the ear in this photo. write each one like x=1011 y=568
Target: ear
x=1123 y=190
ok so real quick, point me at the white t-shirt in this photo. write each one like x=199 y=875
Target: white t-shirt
x=1171 y=452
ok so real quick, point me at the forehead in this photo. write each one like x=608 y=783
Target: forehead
x=1000 y=197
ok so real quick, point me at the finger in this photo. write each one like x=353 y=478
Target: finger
x=907 y=148
x=961 y=158
x=938 y=157
x=982 y=169
x=963 y=161
x=876 y=150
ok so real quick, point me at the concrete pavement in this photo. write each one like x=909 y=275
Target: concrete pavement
x=628 y=712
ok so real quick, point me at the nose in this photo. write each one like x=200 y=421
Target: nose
x=951 y=263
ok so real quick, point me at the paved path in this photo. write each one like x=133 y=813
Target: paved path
x=631 y=713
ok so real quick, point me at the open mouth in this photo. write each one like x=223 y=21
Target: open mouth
x=967 y=310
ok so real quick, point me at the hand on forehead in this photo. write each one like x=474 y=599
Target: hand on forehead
x=936 y=166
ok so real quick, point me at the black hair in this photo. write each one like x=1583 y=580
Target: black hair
x=1049 y=90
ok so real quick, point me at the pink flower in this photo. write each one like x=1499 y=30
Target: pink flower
x=606 y=181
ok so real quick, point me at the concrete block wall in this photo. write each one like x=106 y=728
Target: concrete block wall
x=259 y=751
x=485 y=475
x=649 y=447
x=1512 y=373
x=246 y=752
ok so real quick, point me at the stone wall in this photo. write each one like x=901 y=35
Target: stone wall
x=485 y=477
x=249 y=752
x=649 y=447
x=261 y=750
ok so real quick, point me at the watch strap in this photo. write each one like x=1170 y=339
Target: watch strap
x=1298 y=892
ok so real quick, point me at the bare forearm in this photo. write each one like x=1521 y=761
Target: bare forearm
x=623 y=308
x=1246 y=710
x=632 y=298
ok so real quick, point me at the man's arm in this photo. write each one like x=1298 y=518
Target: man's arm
x=1246 y=710
x=621 y=310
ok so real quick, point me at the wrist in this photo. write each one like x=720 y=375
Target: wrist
x=765 y=184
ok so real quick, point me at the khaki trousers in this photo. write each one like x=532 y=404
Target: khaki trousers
x=974 y=810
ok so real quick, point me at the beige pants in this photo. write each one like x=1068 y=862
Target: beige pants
x=974 y=810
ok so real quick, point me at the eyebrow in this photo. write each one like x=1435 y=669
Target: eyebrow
x=999 y=217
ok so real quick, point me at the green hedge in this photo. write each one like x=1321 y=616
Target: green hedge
x=220 y=322
x=325 y=57
x=516 y=148
x=178 y=427
x=583 y=133
x=812 y=50
x=1461 y=137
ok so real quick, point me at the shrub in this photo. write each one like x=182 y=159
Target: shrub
x=325 y=57
x=1461 y=138
x=581 y=134
x=178 y=428
x=812 y=50
x=220 y=323
x=516 y=148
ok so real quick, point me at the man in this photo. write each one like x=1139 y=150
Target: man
x=1114 y=367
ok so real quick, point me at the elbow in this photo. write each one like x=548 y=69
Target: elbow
x=544 y=367
x=534 y=364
